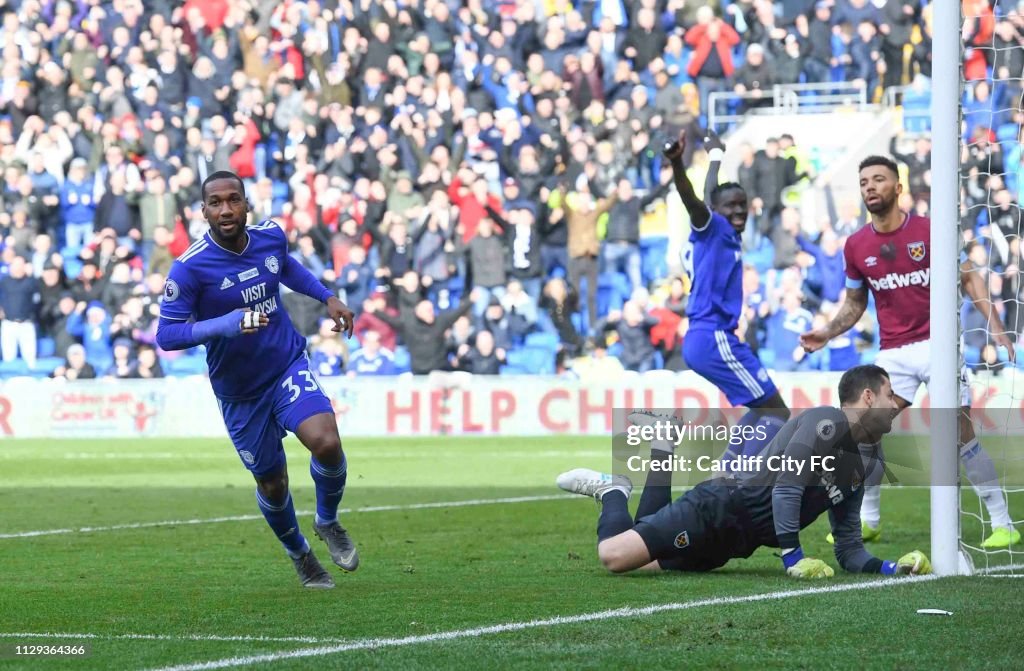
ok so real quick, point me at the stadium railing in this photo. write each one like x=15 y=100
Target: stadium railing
x=786 y=99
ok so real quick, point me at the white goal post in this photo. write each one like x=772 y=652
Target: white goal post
x=947 y=49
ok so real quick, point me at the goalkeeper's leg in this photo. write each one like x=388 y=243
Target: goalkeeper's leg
x=981 y=472
x=658 y=488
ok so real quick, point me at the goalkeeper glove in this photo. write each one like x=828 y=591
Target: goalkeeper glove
x=914 y=563
x=808 y=568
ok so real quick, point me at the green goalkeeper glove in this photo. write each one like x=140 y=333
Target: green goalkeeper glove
x=914 y=563
x=808 y=568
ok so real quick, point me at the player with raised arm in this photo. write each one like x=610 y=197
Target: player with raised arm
x=715 y=265
x=889 y=257
x=224 y=292
x=812 y=466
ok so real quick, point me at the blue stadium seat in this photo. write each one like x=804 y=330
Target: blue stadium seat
x=46 y=365
x=659 y=359
x=403 y=364
x=579 y=321
x=972 y=355
x=514 y=370
x=185 y=365
x=535 y=360
x=45 y=347
x=72 y=266
x=546 y=340
x=652 y=258
x=13 y=368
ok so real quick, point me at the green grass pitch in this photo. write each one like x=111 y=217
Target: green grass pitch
x=155 y=596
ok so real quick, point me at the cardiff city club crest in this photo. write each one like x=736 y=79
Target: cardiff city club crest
x=916 y=250
x=271 y=263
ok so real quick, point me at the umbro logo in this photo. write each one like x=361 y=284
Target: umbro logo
x=226 y=284
x=871 y=261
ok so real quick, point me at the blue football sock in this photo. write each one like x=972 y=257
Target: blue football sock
x=281 y=518
x=615 y=516
x=330 y=487
x=657 y=491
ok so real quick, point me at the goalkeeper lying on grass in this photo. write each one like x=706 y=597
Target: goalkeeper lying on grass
x=817 y=467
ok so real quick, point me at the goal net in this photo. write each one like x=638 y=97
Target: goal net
x=991 y=176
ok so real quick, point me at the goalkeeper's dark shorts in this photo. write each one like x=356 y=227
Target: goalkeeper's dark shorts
x=700 y=531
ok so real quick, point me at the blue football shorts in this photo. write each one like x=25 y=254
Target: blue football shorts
x=257 y=426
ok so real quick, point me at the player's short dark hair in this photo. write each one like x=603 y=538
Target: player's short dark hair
x=722 y=188
x=859 y=378
x=883 y=161
x=223 y=174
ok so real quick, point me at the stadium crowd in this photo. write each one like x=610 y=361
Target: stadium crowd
x=480 y=181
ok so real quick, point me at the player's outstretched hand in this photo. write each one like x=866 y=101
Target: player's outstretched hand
x=914 y=563
x=344 y=319
x=814 y=340
x=712 y=141
x=810 y=569
x=253 y=321
x=674 y=150
x=1001 y=340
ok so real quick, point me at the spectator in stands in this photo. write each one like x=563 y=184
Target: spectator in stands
x=356 y=277
x=372 y=359
x=78 y=207
x=369 y=321
x=712 y=41
x=423 y=331
x=633 y=327
x=115 y=212
x=520 y=234
x=772 y=173
x=784 y=237
x=866 y=65
x=784 y=329
x=521 y=309
x=91 y=323
x=147 y=365
x=582 y=212
x=560 y=301
x=123 y=364
x=483 y=358
x=75 y=366
x=826 y=278
x=918 y=166
x=18 y=298
x=756 y=78
x=621 y=248
x=486 y=263
x=157 y=209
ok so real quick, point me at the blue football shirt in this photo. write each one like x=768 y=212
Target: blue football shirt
x=715 y=266
x=208 y=281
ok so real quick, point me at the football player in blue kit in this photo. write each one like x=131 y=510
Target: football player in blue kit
x=223 y=292
x=711 y=347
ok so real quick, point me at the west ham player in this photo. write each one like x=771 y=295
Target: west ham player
x=810 y=467
x=890 y=259
x=224 y=292
x=711 y=347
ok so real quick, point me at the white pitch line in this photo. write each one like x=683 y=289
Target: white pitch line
x=246 y=518
x=171 y=637
x=993 y=571
x=618 y=613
